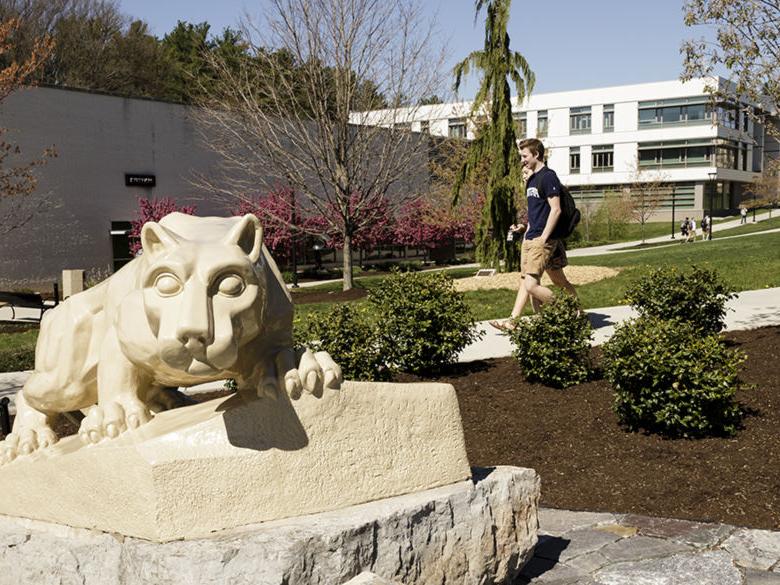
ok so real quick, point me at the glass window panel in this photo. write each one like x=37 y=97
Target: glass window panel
x=648 y=156
x=697 y=112
x=671 y=115
x=647 y=116
x=542 y=123
x=457 y=128
x=671 y=155
x=697 y=154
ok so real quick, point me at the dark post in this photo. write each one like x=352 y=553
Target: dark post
x=674 y=227
x=294 y=256
x=712 y=176
x=56 y=293
x=754 y=208
x=5 y=418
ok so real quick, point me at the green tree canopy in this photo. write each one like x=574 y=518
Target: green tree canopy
x=495 y=142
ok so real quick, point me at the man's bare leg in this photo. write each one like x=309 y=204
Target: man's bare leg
x=520 y=301
x=539 y=293
x=559 y=279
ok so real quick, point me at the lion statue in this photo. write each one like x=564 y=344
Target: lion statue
x=203 y=302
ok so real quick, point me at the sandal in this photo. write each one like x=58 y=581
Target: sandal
x=506 y=326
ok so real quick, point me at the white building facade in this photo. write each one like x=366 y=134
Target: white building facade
x=603 y=140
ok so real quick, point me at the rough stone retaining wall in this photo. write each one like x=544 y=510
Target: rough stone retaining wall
x=478 y=531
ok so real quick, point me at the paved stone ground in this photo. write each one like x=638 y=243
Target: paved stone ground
x=586 y=548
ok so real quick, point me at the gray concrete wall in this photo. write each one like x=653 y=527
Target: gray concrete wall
x=98 y=138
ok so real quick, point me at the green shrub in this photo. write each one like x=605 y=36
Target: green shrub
x=350 y=335
x=553 y=346
x=671 y=380
x=423 y=321
x=696 y=297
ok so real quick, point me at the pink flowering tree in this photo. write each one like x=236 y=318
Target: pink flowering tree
x=373 y=224
x=428 y=223
x=275 y=210
x=152 y=210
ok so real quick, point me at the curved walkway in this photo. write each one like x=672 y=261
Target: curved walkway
x=749 y=310
x=625 y=247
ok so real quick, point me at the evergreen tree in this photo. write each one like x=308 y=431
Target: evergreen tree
x=496 y=140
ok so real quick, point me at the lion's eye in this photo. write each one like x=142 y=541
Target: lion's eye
x=231 y=286
x=167 y=285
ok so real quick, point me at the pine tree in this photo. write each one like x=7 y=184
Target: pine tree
x=496 y=140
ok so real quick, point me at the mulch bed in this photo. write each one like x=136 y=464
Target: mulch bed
x=587 y=462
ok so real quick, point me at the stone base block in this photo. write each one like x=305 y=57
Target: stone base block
x=236 y=461
x=476 y=531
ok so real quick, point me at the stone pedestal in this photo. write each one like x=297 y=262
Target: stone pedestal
x=72 y=282
x=479 y=531
x=235 y=461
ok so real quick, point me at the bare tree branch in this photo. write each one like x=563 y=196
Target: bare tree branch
x=297 y=110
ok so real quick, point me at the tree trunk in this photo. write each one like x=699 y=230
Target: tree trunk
x=347 y=263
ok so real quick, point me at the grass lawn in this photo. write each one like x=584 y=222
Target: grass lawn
x=746 y=264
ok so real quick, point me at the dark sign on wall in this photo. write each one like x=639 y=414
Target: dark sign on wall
x=135 y=180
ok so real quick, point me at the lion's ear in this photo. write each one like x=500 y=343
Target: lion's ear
x=156 y=239
x=247 y=234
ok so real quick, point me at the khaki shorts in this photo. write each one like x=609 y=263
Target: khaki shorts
x=535 y=258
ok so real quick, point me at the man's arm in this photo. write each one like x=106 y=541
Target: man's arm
x=552 y=219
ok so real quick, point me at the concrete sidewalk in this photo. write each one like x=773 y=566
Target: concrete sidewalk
x=626 y=247
x=751 y=309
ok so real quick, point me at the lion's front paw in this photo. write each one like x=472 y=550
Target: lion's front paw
x=309 y=371
x=25 y=441
x=107 y=421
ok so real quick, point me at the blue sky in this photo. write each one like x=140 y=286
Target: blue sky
x=570 y=44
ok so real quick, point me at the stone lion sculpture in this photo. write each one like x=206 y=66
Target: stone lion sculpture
x=204 y=302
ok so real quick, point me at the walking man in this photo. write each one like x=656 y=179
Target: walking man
x=540 y=252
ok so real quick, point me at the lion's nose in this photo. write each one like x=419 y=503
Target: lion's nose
x=193 y=329
x=192 y=340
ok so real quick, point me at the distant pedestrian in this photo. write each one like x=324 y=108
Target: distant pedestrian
x=684 y=230
x=706 y=226
x=743 y=215
x=692 y=230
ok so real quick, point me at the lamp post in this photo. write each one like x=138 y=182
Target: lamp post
x=754 y=207
x=713 y=175
x=674 y=227
x=293 y=255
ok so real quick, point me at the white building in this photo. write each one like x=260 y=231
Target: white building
x=604 y=139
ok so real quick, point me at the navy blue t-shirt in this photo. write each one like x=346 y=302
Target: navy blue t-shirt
x=542 y=185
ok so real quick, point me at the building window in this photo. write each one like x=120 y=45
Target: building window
x=603 y=158
x=728 y=116
x=425 y=127
x=609 y=118
x=574 y=160
x=457 y=128
x=521 y=124
x=688 y=153
x=542 y=124
x=744 y=157
x=579 y=120
x=683 y=111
